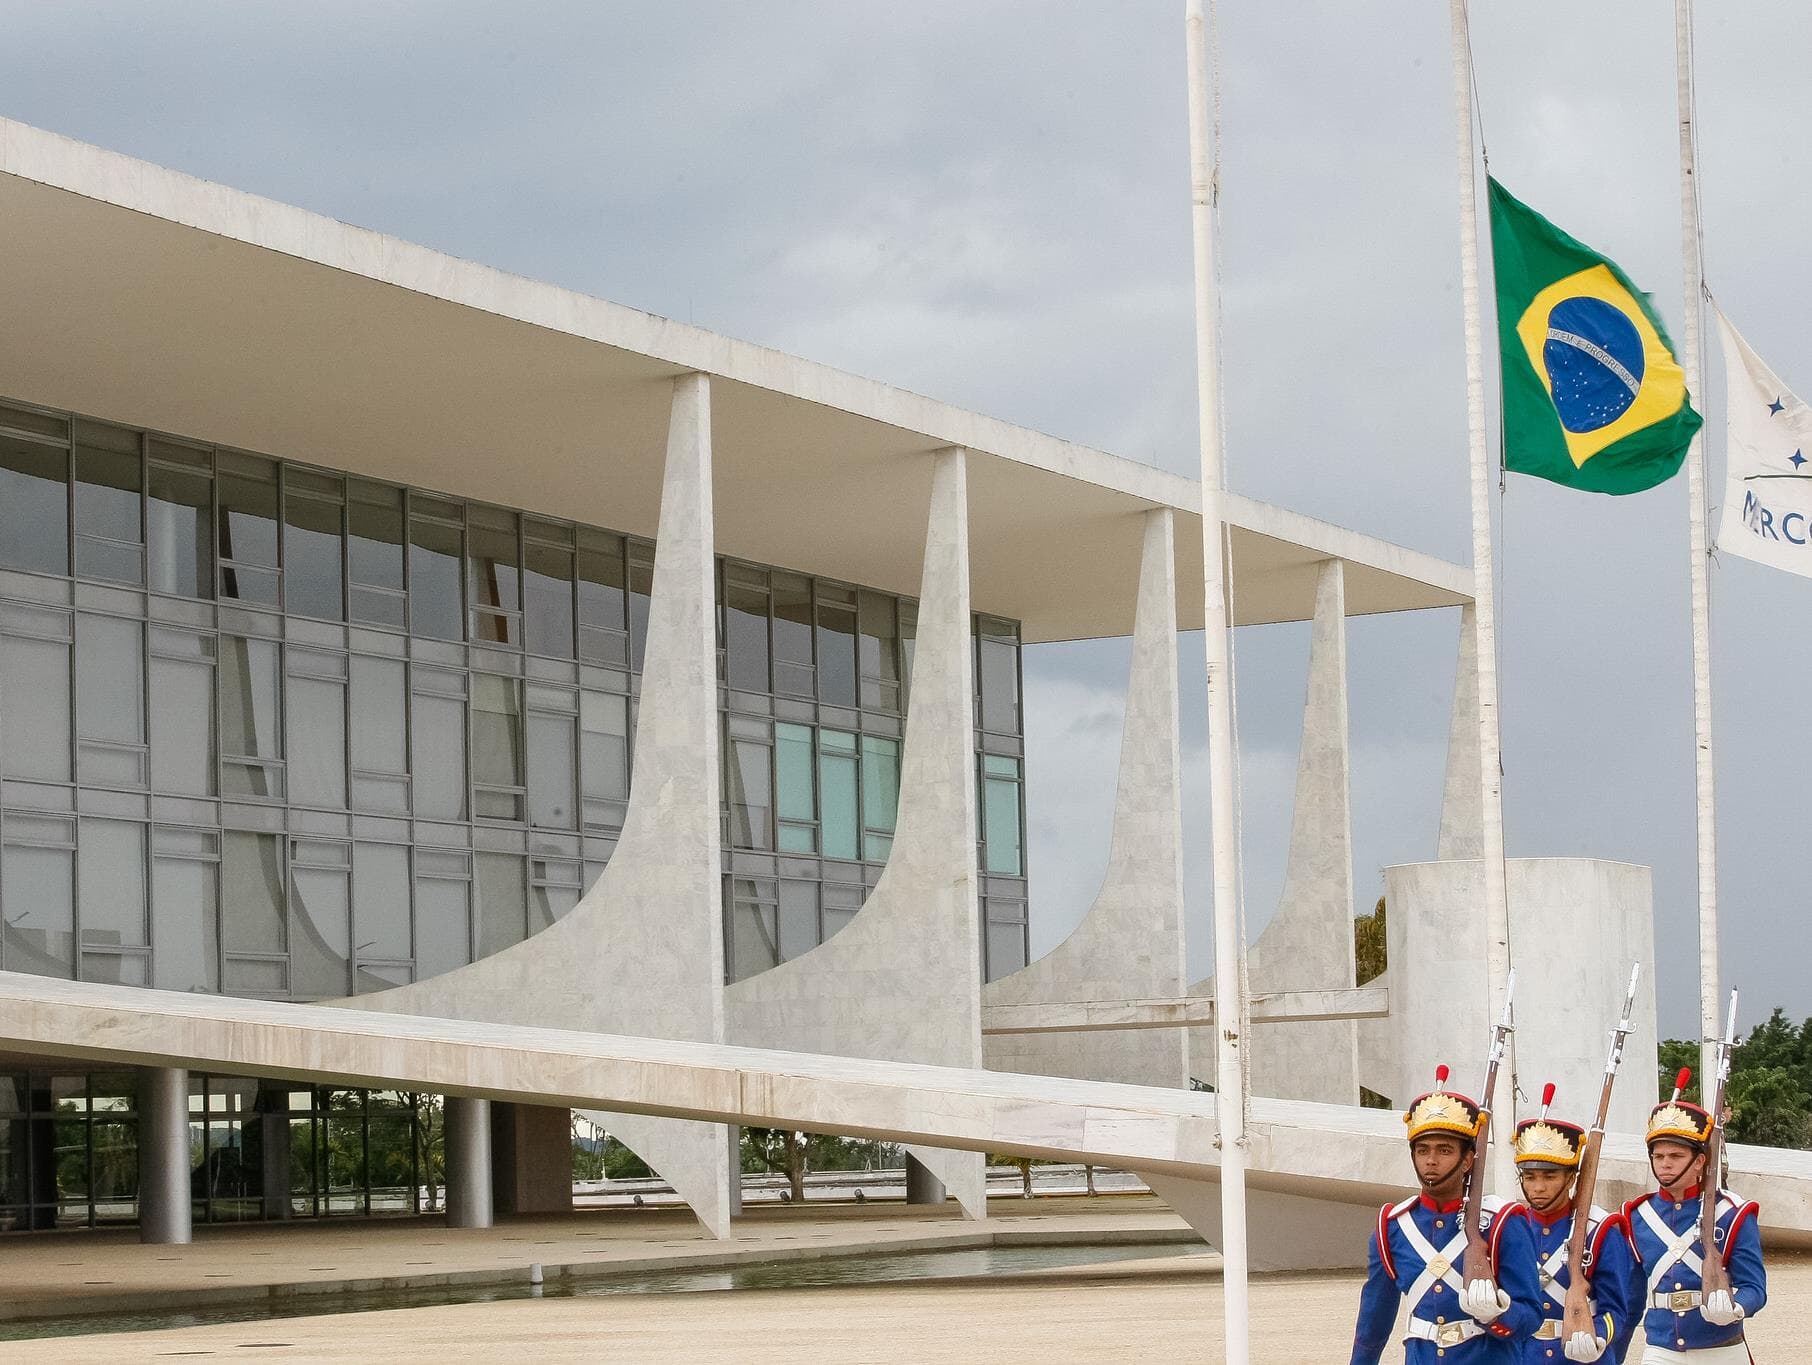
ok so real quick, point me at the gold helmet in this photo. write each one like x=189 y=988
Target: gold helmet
x=1678 y=1120
x=1545 y=1144
x=1442 y=1111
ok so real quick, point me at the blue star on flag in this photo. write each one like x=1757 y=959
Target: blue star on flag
x=1774 y=408
x=1796 y=459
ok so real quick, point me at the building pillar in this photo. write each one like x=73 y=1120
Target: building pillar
x=1462 y=808
x=734 y=1133
x=273 y=1133
x=531 y=1158
x=163 y=1157
x=923 y=1187
x=468 y=1141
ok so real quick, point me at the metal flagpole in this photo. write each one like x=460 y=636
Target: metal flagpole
x=1229 y=947
x=1692 y=361
x=1497 y=901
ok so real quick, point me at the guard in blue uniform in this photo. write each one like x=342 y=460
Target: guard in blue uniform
x=1417 y=1251
x=1547 y=1162
x=1683 y=1324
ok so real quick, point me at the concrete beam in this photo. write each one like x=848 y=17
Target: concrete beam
x=1183 y=1011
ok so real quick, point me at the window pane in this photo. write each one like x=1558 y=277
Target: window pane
x=492 y=575
x=317 y=727
x=435 y=607
x=182 y=724
x=751 y=794
x=837 y=792
x=880 y=793
x=754 y=946
x=792 y=634
x=837 y=651
x=380 y=899
x=374 y=551
x=110 y=679
x=252 y=893
x=551 y=778
x=496 y=731
x=443 y=926
x=250 y=697
x=247 y=489
x=502 y=902
x=1000 y=825
x=880 y=652
x=185 y=925
x=34 y=718
x=746 y=627
x=438 y=756
x=798 y=918
x=1006 y=949
x=793 y=772
x=180 y=518
x=547 y=591
x=605 y=745
x=379 y=732
x=321 y=934
x=109 y=481
x=602 y=599
x=311 y=557
x=113 y=884
x=34 y=506
x=641 y=590
x=38 y=888
x=1000 y=686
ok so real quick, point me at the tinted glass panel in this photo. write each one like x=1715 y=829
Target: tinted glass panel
x=438 y=753
x=185 y=921
x=1000 y=687
x=792 y=635
x=113 y=884
x=375 y=545
x=751 y=794
x=317 y=725
x=547 y=591
x=1006 y=949
x=311 y=557
x=494 y=579
x=746 y=627
x=379 y=733
x=34 y=719
x=320 y=942
x=252 y=893
x=1000 y=825
x=496 y=731
x=443 y=923
x=798 y=918
x=247 y=490
x=250 y=698
x=110 y=679
x=880 y=794
x=182 y=718
x=837 y=794
x=551 y=741
x=435 y=607
x=602 y=600
x=837 y=652
x=604 y=755
x=38 y=887
x=793 y=771
x=502 y=902
x=109 y=481
x=380 y=890
x=180 y=522
x=34 y=506
x=641 y=589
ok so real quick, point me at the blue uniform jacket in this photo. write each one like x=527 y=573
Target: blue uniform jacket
x=1397 y=1267
x=1656 y=1224
x=1610 y=1268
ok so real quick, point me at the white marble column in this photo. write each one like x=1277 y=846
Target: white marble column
x=902 y=981
x=1308 y=945
x=642 y=953
x=1462 y=814
x=1129 y=946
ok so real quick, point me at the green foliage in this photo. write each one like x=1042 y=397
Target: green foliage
x=1370 y=955
x=1770 y=1095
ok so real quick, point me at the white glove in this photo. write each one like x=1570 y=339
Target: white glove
x=1484 y=1301
x=1721 y=1309
x=1583 y=1346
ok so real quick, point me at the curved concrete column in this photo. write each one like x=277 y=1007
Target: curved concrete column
x=642 y=953
x=1309 y=944
x=902 y=981
x=1576 y=924
x=1129 y=946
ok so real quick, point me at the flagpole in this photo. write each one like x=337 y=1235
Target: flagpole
x=1692 y=361
x=1229 y=945
x=1497 y=901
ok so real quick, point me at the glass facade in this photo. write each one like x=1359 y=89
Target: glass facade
x=257 y=1150
x=275 y=731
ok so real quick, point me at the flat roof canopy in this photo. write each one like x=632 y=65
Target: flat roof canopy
x=146 y=297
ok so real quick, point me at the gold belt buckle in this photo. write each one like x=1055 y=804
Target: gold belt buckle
x=1683 y=1300
x=1549 y=1330
x=1450 y=1333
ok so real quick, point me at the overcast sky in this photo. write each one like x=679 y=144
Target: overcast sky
x=988 y=203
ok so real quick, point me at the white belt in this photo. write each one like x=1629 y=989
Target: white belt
x=1734 y=1354
x=1445 y=1333
x=1680 y=1301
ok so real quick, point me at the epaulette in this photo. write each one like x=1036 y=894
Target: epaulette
x=1386 y=1216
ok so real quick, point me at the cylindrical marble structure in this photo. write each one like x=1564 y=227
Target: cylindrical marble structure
x=163 y=1156
x=468 y=1136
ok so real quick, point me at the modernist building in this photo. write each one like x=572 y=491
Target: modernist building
x=364 y=611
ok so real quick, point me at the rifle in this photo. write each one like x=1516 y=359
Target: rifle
x=1477 y=1262
x=1716 y=1275
x=1578 y=1317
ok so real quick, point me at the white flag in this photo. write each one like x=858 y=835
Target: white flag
x=1768 y=484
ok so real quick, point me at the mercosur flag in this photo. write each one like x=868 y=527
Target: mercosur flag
x=1768 y=479
x=1593 y=397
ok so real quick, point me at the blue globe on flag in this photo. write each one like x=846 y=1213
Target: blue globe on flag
x=1595 y=361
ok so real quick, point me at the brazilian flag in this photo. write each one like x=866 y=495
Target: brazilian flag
x=1593 y=397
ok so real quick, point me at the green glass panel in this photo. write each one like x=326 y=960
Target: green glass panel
x=837 y=786
x=793 y=768
x=880 y=784
x=1000 y=817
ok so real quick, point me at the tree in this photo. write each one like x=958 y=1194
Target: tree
x=1769 y=1099
x=1768 y=1108
x=1370 y=949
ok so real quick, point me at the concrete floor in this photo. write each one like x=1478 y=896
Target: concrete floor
x=1131 y=1312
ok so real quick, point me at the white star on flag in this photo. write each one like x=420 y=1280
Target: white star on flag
x=1767 y=498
